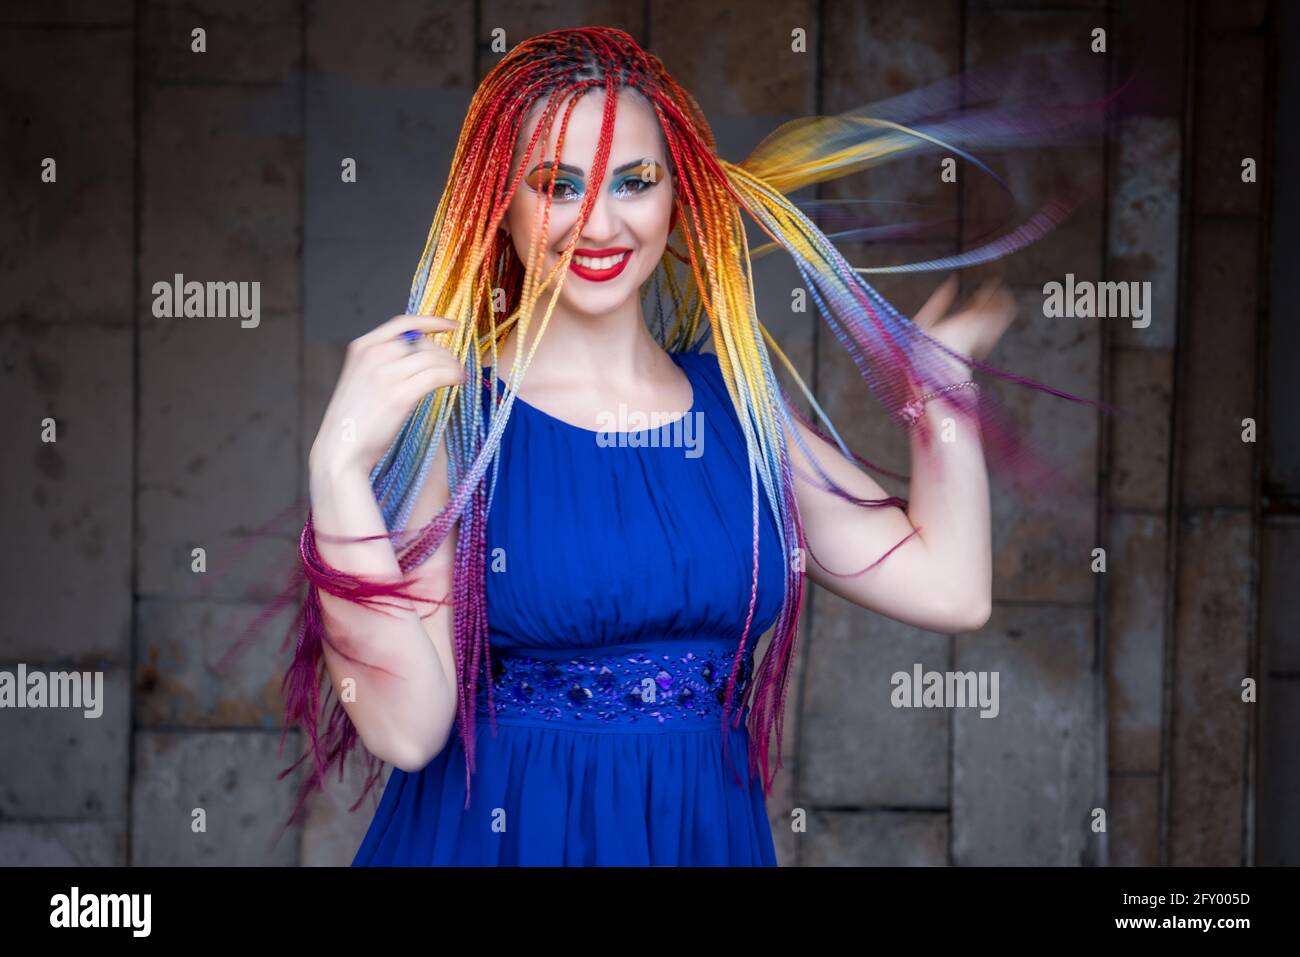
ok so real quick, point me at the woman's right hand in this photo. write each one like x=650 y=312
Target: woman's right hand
x=382 y=379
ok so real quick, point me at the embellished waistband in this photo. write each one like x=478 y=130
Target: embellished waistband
x=652 y=686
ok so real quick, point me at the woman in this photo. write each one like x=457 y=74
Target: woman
x=607 y=586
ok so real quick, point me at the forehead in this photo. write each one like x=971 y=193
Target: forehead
x=637 y=132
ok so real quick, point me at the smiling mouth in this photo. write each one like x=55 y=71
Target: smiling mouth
x=599 y=268
x=601 y=262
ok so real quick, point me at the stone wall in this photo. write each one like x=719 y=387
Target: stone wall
x=1123 y=737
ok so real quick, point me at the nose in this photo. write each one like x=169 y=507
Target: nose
x=602 y=224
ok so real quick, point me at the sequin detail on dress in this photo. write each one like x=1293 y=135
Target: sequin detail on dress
x=684 y=686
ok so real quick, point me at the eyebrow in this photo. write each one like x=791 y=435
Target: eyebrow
x=576 y=171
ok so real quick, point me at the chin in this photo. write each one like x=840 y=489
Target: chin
x=584 y=297
x=591 y=303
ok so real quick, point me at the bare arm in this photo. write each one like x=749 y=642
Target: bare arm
x=941 y=578
x=393 y=670
x=401 y=669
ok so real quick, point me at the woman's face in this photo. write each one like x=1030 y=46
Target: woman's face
x=623 y=239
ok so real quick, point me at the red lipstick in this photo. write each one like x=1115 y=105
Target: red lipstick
x=600 y=275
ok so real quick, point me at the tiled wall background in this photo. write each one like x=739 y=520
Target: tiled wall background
x=1121 y=691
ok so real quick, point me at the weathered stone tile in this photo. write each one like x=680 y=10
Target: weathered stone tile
x=73 y=766
x=1142 y=384
x=879 y=50
x=994 y=35
x=219 y=455
x=231 y=777
x=415 y=44
x=885 y=49
x=63 y=844
x=740 y=61
x=1239 y=15
x=69 y=12
x=1230 y=97
x=876 y=839
x=1136 y=592
x=222 y=181
x=1162 y=67
x=178 y=682
x=391 y=95
x=66 y=505
x=1025 y=782
x=1219 y=366
x=1134 y=820
x=1212 y=623
x=1037 y=173
x=246 y=41
x=65 y=247
x=858 y=748
x=1142 y=241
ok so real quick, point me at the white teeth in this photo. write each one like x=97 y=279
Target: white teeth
x=605 y=262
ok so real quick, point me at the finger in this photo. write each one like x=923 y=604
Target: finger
x=983 y=296
x=398 y=324
x=1005 y=307
x=937 y=304
x=412 y=390
x=998 y=302
x=994 y=314
x=403 y=368
x=399 y=347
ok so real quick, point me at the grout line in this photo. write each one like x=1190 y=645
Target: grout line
x=1176 y=426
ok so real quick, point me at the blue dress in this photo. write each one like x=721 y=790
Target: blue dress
x=618 y=579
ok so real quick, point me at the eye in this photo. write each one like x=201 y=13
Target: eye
x=633 y=185
x=640 y=179
x=565 y=189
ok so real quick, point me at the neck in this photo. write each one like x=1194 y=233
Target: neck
x=613 y=348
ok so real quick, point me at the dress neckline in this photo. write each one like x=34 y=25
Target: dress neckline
x=564 y=424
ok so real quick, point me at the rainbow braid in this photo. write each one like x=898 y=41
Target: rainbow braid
x=468 y=272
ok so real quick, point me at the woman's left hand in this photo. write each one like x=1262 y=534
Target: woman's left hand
x=974 y=330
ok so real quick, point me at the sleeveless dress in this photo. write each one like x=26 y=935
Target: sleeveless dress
x=618 y=579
